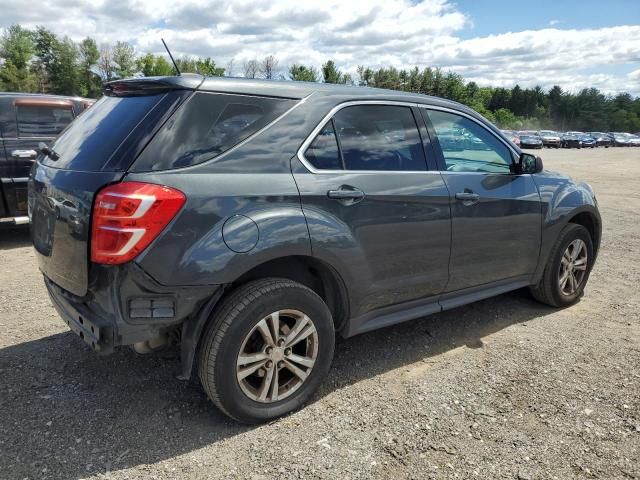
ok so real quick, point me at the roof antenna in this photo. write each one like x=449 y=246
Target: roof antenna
x=175 y=65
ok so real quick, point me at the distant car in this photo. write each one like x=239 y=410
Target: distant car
x=25 y=121
x=513 y=136
x=570 y=140
x=587 y=141
x=529 y=140
x=634 y=140
x=621 y=139
x=550 y=138
x=602 y=139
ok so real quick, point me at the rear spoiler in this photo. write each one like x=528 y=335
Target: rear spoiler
x=132 y=87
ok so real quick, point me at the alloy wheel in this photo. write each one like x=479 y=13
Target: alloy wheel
x=277 y=356
x=573 y=267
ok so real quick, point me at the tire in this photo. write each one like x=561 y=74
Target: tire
x=234 y=326
x=549 y=290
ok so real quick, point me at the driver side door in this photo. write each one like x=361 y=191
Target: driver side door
x=496 y=214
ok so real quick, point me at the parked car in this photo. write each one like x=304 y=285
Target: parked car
x=587 y=141
x=602 y=139
x=328 y=210
x=570 y=140
x=512 y=136
x=634 y=140
x=529 y=140
x=25 y=121
x=621 y=139
x=549 y=138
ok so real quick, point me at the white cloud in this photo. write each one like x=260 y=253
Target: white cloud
x=373 y=32
x=554 y=22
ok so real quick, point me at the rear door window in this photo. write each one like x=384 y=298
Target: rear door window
x=208 y=125
x=379 y=137
x=42 y=120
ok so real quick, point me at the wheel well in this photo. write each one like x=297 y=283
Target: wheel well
x=588 y=221
x=311 y=272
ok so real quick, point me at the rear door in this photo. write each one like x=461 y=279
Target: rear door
x=36 y=120
x=496 y=214
x=374 y=205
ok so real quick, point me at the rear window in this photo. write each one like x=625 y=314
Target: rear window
x=42 y=120
x=206 y=126
x=96 y=135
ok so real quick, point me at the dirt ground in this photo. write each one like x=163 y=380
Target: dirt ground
x=503 y=388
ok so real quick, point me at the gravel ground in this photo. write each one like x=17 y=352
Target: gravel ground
x=503 y=388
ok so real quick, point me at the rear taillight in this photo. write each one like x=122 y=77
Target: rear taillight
x=128 y=216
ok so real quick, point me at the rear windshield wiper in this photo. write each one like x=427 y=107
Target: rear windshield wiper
x=49 y=152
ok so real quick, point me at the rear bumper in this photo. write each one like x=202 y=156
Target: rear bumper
x=97 y=332
x=125 y=307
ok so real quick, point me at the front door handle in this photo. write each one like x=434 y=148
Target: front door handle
x=468 y=198
x=346 y=194
x=24 y=153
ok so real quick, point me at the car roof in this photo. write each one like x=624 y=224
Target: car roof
x=289 y=89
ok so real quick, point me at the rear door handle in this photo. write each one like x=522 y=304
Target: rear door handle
x=468 y=198
x=24 y=153
x=348 y=194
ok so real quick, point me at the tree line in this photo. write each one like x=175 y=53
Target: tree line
x=39 y=61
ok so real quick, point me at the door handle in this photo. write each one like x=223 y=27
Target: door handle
x=468 y=198
x=24 y=153
x=349 y=195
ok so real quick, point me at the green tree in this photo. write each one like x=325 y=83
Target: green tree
x=124 y=57
x=505 y=118
x=17 y=49
x=88 y=56
x=302 y=73
x=207 y=67
x=331 y=74
x=64 y=74
x=45 y=47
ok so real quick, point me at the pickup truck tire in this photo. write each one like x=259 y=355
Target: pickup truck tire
x=240 y=338
x=573 y=239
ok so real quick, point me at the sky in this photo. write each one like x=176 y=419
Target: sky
x=571 y=43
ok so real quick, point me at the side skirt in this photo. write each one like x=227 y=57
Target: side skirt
x=415 y=309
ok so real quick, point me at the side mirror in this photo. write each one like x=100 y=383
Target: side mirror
x=528 y=163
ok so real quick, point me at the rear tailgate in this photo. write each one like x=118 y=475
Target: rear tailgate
x=60 y=204
x=94 y=151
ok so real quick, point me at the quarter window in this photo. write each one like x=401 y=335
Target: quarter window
x=369 y=137
x=42 y=121
x=469 y=147
x=208 y=125
x=323 y=152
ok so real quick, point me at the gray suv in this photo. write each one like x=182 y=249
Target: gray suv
x=249 y=222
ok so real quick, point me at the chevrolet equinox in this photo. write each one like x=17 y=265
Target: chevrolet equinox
x=250 y=221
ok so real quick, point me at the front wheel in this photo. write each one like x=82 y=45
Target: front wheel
x=266 y=350
x=568 y=268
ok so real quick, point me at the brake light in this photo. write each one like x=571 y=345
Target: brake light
x=128 y=216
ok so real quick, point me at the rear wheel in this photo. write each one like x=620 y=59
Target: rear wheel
x=567 y=271
x=266 y=350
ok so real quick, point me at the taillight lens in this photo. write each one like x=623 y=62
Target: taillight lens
x=128 y=216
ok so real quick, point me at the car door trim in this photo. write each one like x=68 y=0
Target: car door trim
x=311 y=137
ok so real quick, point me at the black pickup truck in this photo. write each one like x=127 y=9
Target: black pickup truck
x=25 y=121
